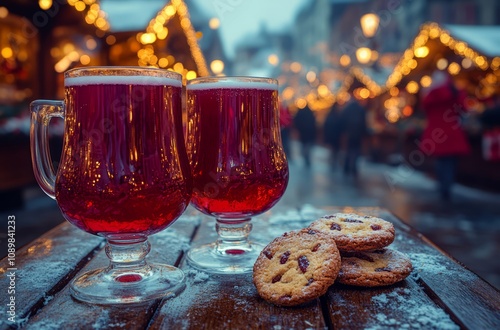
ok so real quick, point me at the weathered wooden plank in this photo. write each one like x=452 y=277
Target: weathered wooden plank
x=231 y=301
x=400 y=306
x=42 y=268
x=64 y=312
x=453 y=286
x=439 y=284
x=409 y=305
x=441 y=291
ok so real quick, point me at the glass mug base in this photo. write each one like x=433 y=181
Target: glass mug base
x=114 y=286
x=210 y=259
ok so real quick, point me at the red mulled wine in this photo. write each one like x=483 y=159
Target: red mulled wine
x=234 y=145
x=123 y=169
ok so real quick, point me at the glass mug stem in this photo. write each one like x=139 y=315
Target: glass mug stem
x=42 y=111
x=233 y=236
x=128 y=259
x=127 y=253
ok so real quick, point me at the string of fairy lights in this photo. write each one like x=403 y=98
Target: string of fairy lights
x=395 y=105
x=157 y=30
x=93 y=13
x=418 y=49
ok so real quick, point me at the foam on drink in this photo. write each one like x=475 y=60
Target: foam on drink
x=122 y=80
x=232 y=85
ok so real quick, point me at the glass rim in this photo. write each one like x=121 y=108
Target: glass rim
x=90 y=71
x=232 y=79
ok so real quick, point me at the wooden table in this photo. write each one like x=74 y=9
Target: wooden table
x=439 y=294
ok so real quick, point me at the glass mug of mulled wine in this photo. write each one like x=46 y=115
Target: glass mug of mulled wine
x=123 y=175
x=238 y=163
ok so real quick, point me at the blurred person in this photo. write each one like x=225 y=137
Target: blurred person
x=353 y=121
x=286 y=120
x=490 y=122
x=490 y=117
x=305 y=123
x=443 y=137
x=332 y=130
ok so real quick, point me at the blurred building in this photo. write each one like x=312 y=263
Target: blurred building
x=311 y=33
x=209 y=39
x=400 y=21
x=327 y=30
x=36 y=44
x=313 y=58
x=262 y=54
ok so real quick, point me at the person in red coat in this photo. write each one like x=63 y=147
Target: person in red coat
x=443 y=138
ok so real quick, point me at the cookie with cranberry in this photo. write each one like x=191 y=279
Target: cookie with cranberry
x=354 y=232
x=375 y=268
x=297 y=267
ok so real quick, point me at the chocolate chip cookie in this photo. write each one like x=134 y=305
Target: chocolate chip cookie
x=375 y=268
x=296 y=267
x=354 y=232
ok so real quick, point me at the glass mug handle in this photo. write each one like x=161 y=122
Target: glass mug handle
x=42 y=111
